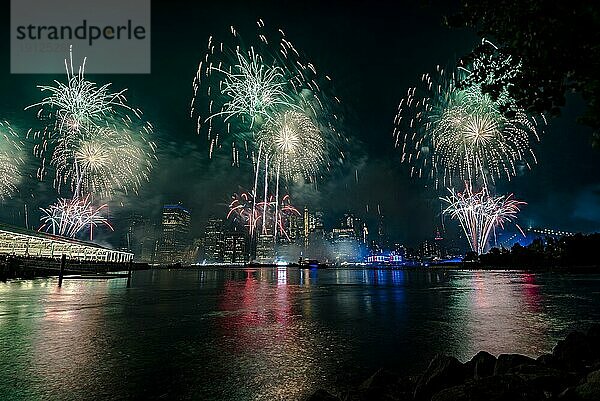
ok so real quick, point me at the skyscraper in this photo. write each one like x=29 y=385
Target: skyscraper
x=345 y=245
x=234 y=246
x=296 y=228
x=348 y=221
x=149 y=242
x=174 y=238
x=382 y=240
x=213 y=240
x=136 y=235
x=265 y=248
x=306 y=225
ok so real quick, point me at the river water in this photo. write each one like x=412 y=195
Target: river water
x=268 y=334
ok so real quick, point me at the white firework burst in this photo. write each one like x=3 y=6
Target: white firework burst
x=71 y=217
x=11 y=160
x=480 y=213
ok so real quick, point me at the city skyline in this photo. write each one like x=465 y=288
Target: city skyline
x=561 y=191
x=349 y=240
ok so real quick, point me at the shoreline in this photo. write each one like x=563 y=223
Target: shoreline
x=570 y=373
x=452 y=267
x=20 y=268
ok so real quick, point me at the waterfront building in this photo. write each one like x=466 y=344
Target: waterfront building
x=234 y=247
x=139 y=237
x=149 y=244
x=345 y=245
x=265 y=248
x=213 y=240
x=174 y=240
x=18 y=241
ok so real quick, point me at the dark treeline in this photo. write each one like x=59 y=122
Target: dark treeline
x=568 y=251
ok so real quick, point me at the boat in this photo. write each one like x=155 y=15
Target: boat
x=311 y=264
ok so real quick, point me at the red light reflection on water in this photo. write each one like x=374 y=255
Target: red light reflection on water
x=480 y=291
x=253 y=305
x=257 y=325
x=531 y=293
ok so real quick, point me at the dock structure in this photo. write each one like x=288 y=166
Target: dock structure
x=17 y=241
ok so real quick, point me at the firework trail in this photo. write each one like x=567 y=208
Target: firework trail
x=11 y=160
x=96 y=142
x=261 y=215
x=479 y=213
x=69 y=217
x=450 y=130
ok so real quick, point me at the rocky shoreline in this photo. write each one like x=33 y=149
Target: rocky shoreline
x=570 y=373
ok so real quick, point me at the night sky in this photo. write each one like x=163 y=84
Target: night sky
x=374 y=53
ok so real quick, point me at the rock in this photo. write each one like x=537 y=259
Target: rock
x=573 y=352
x=594 y=332
x=386 y=385
x=546 y=379
x=381 y=378
x=505 y=362
x=502 y=388
x=570 y=373
x=323 y=395
x=456 y=393
x=588 y=392
x=483 y=364
x=443 y=372
x=568 y=394
x=593 y=335
x=545 y=359
x=594 y=377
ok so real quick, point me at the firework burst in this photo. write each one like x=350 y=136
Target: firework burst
x=96 y=142
x=71 y=217
x=11 y=161
x=480 y=213
x=74 y=106
x=450 y=130
x=265 y=100
x=241 y=89
x=293 y=144
x=264 y=216
x=104 y=160
x=252 y=89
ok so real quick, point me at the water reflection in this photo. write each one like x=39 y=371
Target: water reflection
x=264 y=329
x=58 y=341
x=531 y=293
x=500 y=312
x=251 y=334
x=70 y=336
